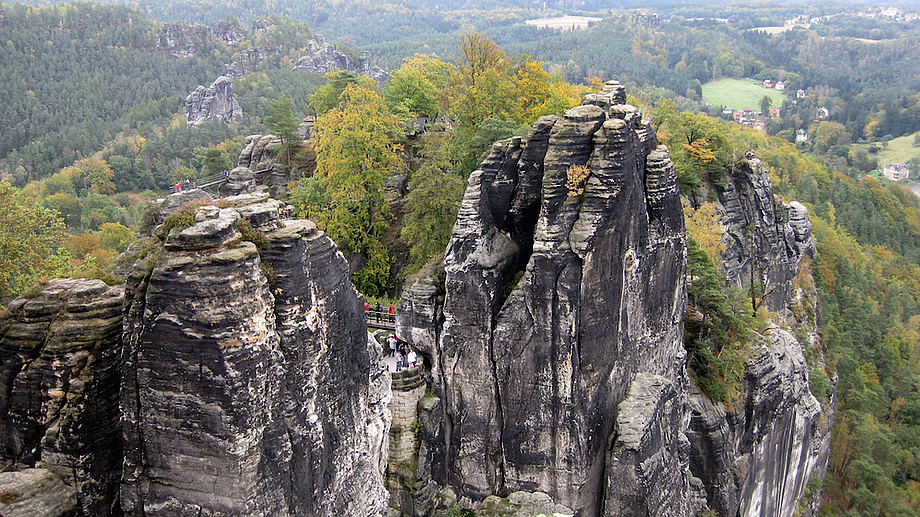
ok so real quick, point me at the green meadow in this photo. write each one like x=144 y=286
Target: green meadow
x=740 y=93
x=898 y=150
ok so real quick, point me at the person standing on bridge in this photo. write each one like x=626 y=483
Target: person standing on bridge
x=391 y=341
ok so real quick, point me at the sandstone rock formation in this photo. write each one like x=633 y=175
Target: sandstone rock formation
x=215 y=103
x=553 y=330
x=59 y=352
x=247 y=382
x=36 y=493
x=182 y=39
x=260 y=157
x=756 y=456
x=323 y=57
x=562 y=306
x=762 y=233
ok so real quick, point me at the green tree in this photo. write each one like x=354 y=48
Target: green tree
x=411 y=92
x=481 y=85
x=328 y=96
x=489 y=131
x=765 y=104
x=30 y=236
x=93 y=173
x=828 y=134
x=283 y=124
x=115 y=236
x=214 y=161
x=355 y=152
x=435 y=192
x=67 y=206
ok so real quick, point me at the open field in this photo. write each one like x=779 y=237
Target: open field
x=564 y=23
x=898 y=150
x=740 y=93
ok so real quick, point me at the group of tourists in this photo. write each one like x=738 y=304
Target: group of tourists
x=178 y=187
x=405 y=356
x=379 y=312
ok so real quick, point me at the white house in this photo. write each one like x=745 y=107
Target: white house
x=896 y=171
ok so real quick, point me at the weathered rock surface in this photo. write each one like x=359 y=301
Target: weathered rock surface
x=260 y=157
x=757 y=459
x=240 y=180
x=36 y=493
x=763 y=233
x=538 y=349
x=323 y=57
x=216 y=103
x=182 y=39
x=554 y=335
x=247 y=386
x=59 y=392
x=756 y=456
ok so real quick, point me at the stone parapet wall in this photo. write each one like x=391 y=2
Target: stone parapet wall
x=408 y=388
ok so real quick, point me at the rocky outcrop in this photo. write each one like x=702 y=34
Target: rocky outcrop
x=229 y=31
x=247 y=381
x=181 y=39
x=260 y=157
x=323 y=57
x=554 y=327
x=36 y=493
x=215 y=103
x=59 y=353
x=757 y=458
x=240 y=180
x=560 y=290
x=762 y=233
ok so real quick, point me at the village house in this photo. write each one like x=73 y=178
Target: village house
x=780 y=86
x=801 y=136
x=823 y=113
x=774 y=112
x=738 y=115
x=768 y=83
x=800 y=94
x=896 y=171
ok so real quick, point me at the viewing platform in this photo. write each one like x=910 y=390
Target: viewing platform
x=380 y=319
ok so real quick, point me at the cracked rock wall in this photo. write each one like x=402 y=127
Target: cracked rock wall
x=246 y=384
x=556 y=297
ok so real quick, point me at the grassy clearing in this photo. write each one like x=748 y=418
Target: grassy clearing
x=740 y=93
x=898 y=150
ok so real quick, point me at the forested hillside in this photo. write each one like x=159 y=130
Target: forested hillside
x=78 y=78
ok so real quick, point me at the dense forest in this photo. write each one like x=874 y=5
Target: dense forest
x=93 y=115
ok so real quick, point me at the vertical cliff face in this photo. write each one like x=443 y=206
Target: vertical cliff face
x=554 y=327
x=765 y=238
x=216 y=103
x=246 y=375
x=59 y=396
x=562 y=310
x=756 y=456
x=259 y=162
